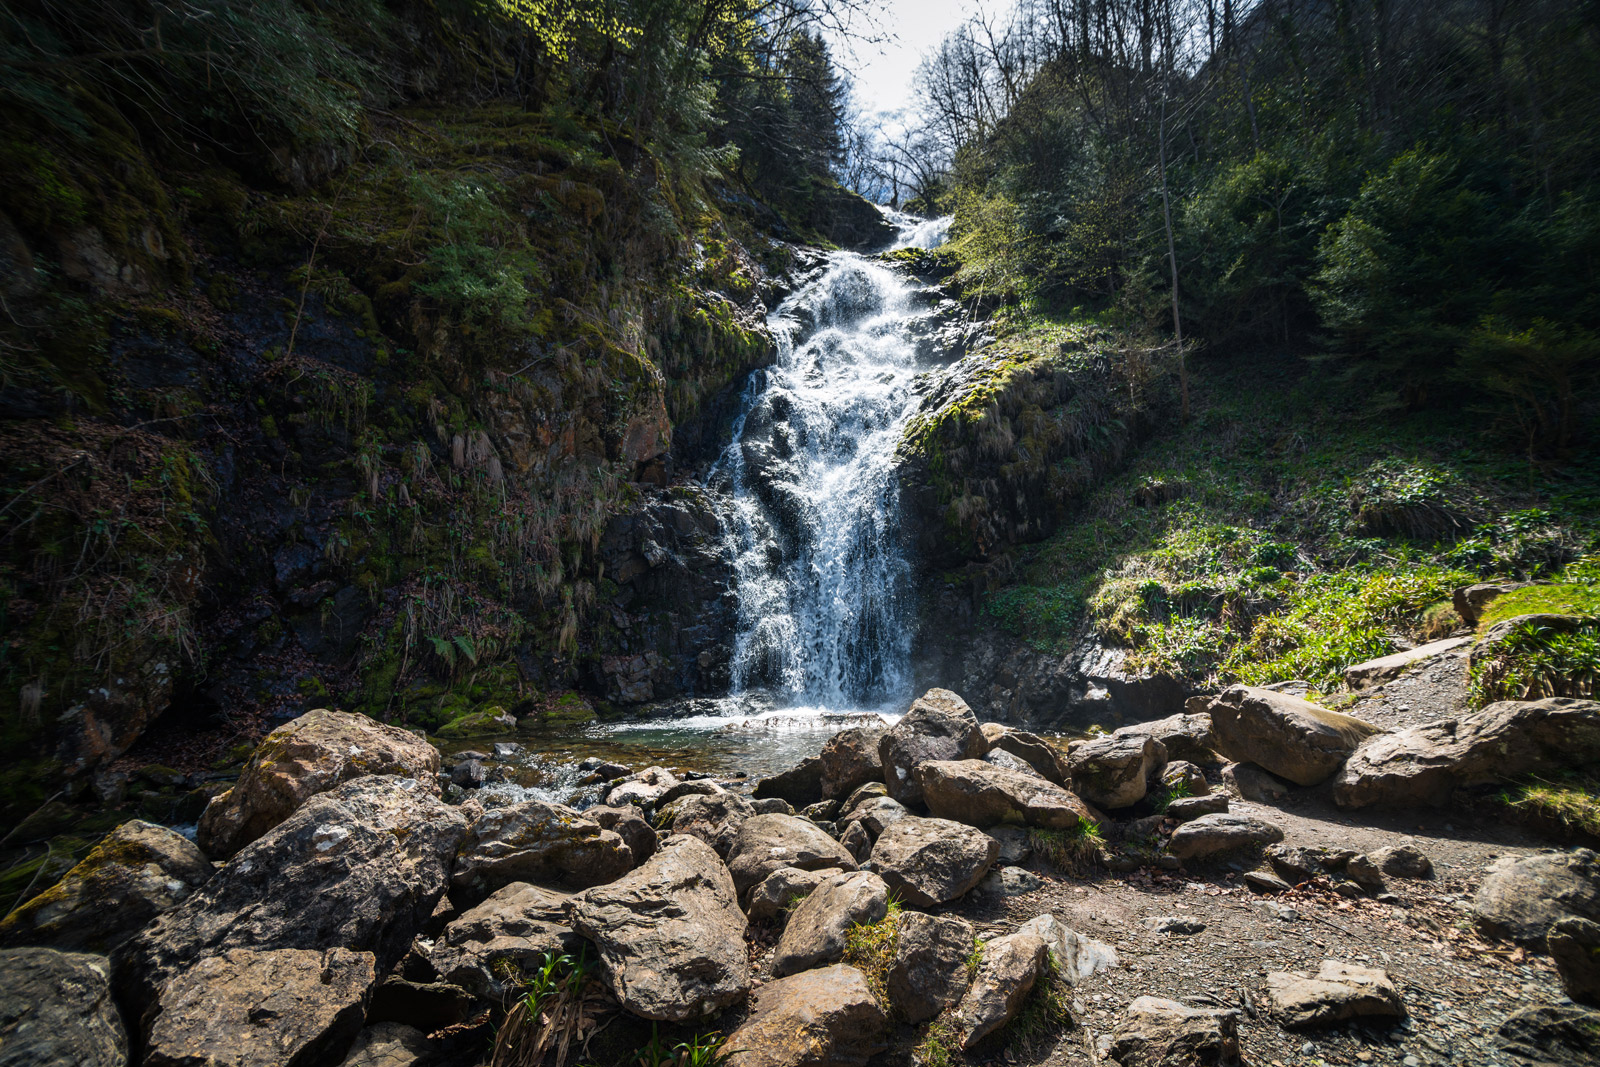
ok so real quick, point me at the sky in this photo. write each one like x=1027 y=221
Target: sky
x=882 y=72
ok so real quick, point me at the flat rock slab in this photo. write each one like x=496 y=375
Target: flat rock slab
x=932 y=861
x=822 y=1018
x=929 y=971
x=1338 y=991
x=982 y=795
x=1292 y=738
x=1521 y=900
x=670 y=934
x=819 y=927
x=136 y=872
x=56 y=1010
x=1215 y=835
x=302 y=758
x=1373 y=671
x=1008 y=967
x=262 y=1008
x=1166 y=1033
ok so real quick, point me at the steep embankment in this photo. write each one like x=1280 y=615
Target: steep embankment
x=382 y=411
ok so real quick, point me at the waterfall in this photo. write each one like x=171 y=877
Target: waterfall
x=822 y=580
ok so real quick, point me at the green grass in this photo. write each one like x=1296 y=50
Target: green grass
x=1572 y=800
x=1562 y=599
x=1044 y=1014
x=870 y=947
x=940 y=1044
x=1290 y=529
x=1068 y=851
x=1534 y=662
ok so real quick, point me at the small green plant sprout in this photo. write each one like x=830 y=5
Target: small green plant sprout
x=870 y=948
x=703 y=1050
x=560 y=1005
x=1071 y=852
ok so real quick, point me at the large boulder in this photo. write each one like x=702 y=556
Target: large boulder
x=1521 y=900
x=782 y=890
x=980 y=794
x=1008 y=967
x=245 y=1007
x=642 y=789
x=1427 y=764
x=1338 y=991
x=819 y=926
x=1293 y=738
x=1551 y=1035
x=927 y=862
x=939 y=726
x=629 y=823
x=56 y=1011
x=1035 y=751
x=799 y=785
x=714 y=818
x=1574 y=944
x=875 y=814
x=535 y=841
x=135 y=873
x=1115 y=772
x=827 y=1017
x=1077 y=957
x=1185 y=736
x=766 y=842
x=487 y=950
x=360 y=867
x=670 y=934
x=1166 y=1033
x=850 y=760
x=302 y=758
x=929 y=970
x=1220 y=834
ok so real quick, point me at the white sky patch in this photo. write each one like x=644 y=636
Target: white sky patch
x=883 y=72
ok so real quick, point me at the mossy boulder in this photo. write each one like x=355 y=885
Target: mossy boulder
x=489 y=722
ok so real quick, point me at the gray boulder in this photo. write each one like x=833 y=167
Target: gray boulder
x=1157 y=1032
x=875 y=814
x=391 y=1045
x=488 y=949
x=1184 y=777
x=929 y=971
x=1249 y=782
x=857 y=842
x=1077 y=957
x=714 y=818
x=246 y=1007
x=136 y=872
x=798 y=786
x=1427 y=764
x=1185 y=736
x=1470 y=600
x=1185 y=808
x=642 y=789
x=979 y=794
x=766 y=842
x=56 y=1011
x=1574 y=944
x=360 y=867
x=850 y=760
x=1292 y=738
x=939 y=726
x=826 y=1017
x=927 y=862
x=1115 y=772
x=534 y=841
x=1045 y=758
x=782 y=890
x=670 y=934
x=819 y=926
x=1338 y=991
x=628 y=823
x=1521 y=900
x=1214 y=835
x=1008 y=967
x=1402 y=861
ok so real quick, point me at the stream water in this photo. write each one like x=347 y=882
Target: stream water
x=813 y=525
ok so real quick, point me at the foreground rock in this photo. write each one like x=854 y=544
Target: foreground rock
x=263 y=1008
x=360 y=867
x=1574 y=944
x=1337 y=992
x=819 y=925
x=1115 y=772
x=1426 y=764
x=875 y=814
x=714 y=818
x=302 y=758
x=1007 y=970
x=1556 y=1034
x=670 y=934
x=800 y=785
x=489 y=949
x=1220 y=834
x=549 y=844
x=979 y=794
x=390 y=1045
x=136 y=872
x=822 y=1018
x=1384 y=668
x=766 y=842
x=850 y=760
x=929 y=971
x=1522 y=900
x=642 y=789
x=1165 y=1033
x=927 y=862
x=782 y=890
x=1289 y=737
x=1077 y=957
x=1186 y=736
x=939 y=726
x=56 y=1010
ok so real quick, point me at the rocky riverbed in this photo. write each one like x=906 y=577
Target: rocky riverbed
x=1257 y=879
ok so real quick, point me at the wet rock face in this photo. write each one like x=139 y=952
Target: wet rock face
x=360 y=867
x=262 y=1008
x=821 y=1018
x=674 y=612
x=136 y=872
x=56 y=1009
x=670 y=934
x=305 y=757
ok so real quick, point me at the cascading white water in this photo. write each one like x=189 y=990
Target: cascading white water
x=822 y=578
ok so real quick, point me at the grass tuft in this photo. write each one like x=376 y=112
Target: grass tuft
x=870 y=948
x=1572 y=800
x=1073 y=852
